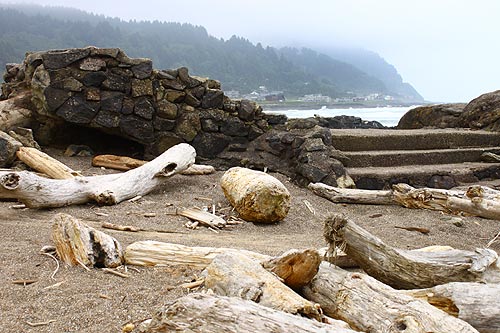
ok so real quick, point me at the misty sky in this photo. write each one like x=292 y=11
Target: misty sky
x=447 y=49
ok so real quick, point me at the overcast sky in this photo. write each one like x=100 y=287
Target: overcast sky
x=449 y=50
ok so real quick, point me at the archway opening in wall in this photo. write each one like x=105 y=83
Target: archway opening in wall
x=98 y=141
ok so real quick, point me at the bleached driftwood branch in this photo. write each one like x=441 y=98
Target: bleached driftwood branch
x=475 y=303
x=477 y=200
x=410 y=269
x=45 y=164
x=234 y=274
x=38 y=192
x=369 y=305
x=199 y=313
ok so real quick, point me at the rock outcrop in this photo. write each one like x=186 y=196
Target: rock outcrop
x=482 y=112
x=437 y=116
x=106 y=90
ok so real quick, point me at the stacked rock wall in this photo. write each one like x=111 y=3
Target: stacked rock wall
x=106 y=90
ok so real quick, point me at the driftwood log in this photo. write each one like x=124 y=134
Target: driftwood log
x=79 y=244
x=45 y=164
x=405 y=269
x=369 y=305
x=152 y=253
x=476 y=303
x=296 y=267
x=477 y=200
x=125 y=163
x=256 y=196
x=38 y=192
x=200 y=313
x=237 y=275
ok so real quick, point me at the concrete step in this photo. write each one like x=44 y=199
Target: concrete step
x=388 y=158
x=418 y=139
x=436 y=176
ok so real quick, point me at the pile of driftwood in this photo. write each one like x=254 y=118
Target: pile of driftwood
x=429 y=290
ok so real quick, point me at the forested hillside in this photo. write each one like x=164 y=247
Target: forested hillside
x=236 y=62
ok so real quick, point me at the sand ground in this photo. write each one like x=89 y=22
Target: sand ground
x=84 y=301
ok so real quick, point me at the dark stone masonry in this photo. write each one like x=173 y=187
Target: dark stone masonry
x=107 y=91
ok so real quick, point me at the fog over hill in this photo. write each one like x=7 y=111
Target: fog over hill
x=237 y=62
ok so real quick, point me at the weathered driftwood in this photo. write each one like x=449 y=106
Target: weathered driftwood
x=43 y=163
x=125 y=163
x=235 y=274
x=477 y=200
x=296 y=268
x=410 y=269
x=38 y=192
x=13 y=114
x=476 y=303
x=369 y=305
x=152 y=253
x=200 y=313
x=79 y=244
x=256 y=196
x=205 y=218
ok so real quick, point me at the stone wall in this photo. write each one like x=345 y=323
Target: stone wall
x=107 y=90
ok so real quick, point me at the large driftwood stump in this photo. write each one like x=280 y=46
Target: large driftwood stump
x=234 y=274
x=79 y=244
x=256 y=196
x=40 y=192
x=369 y=305
x=410 y=269
x=200 y=313
x=477 y=200
x=296 y=267
x=476 y=303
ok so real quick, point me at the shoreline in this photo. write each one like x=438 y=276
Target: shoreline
x=276 y=106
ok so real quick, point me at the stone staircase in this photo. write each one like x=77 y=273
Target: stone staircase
x=439 y=158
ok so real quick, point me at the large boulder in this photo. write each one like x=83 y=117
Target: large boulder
x=482 y=112
x=439 y=116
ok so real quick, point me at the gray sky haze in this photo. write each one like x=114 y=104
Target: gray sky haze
x=447 y=49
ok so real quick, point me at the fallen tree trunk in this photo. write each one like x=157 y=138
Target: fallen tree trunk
x=79 y=244
x=476 y=303
x=199 y=313
x=235 y=274
x=369 y=305
x=295 y=267
x=477 y=200
x=45 y=164
x=125 y=163
x=38 y=192
x=410 y=269
x=256 y=196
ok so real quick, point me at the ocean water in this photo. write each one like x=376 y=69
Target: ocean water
x=387 y=116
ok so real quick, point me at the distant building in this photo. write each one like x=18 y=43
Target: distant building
x=315 y=98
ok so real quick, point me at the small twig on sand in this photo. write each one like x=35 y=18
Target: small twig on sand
x=25 y=282
x=57 y=263
x=83 y=265
x=192 y=285
x=55 y=285
x=43 y=323
x=112 y=271
x=493 y=240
